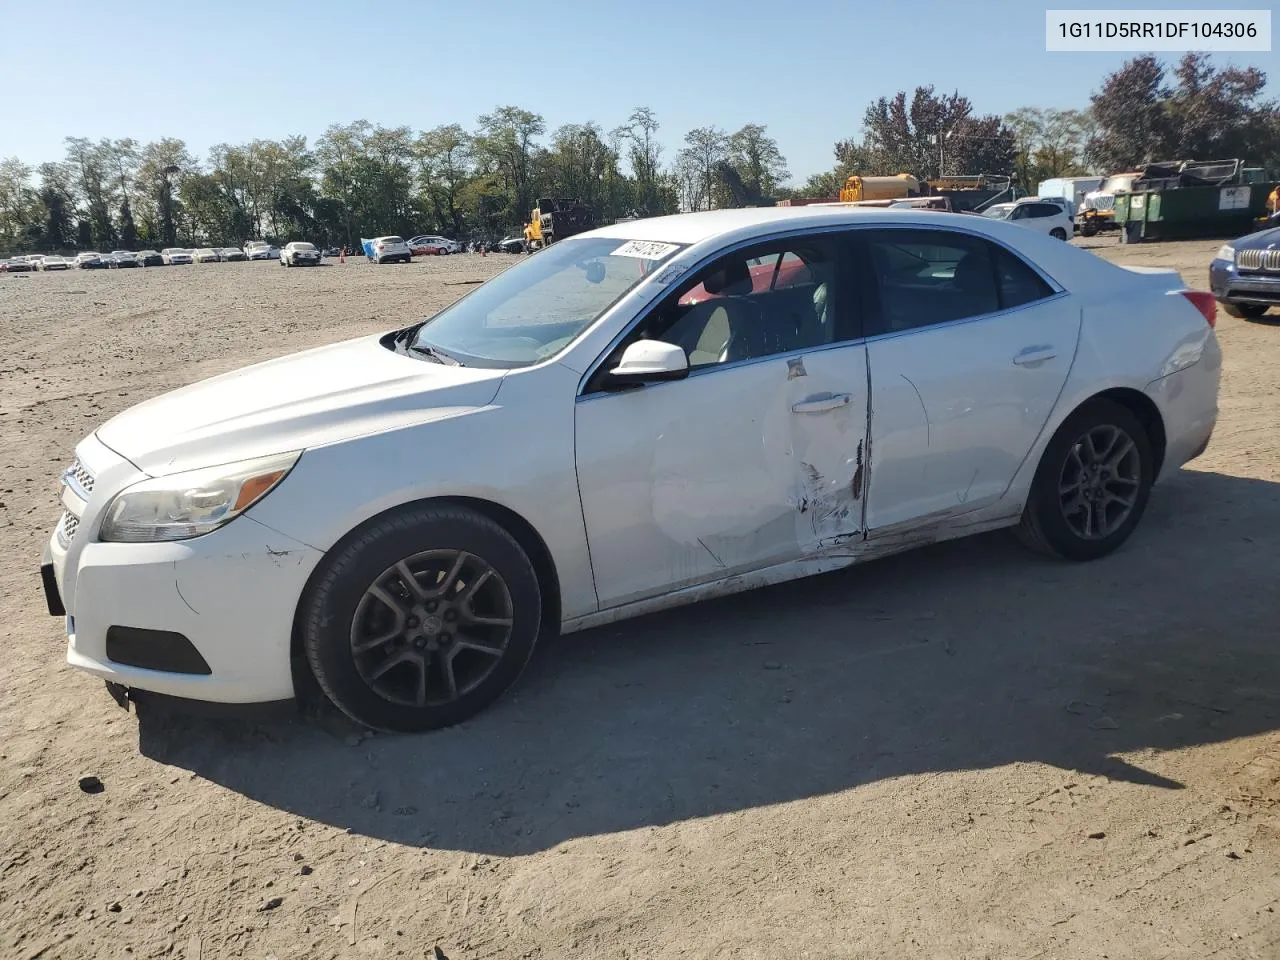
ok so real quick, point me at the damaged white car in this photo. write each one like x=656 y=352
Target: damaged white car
x=636 y=417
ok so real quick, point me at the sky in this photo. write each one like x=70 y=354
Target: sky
x=236 y=70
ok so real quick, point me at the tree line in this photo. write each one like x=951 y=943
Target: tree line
x=360 y=179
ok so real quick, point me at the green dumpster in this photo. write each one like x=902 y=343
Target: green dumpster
x=1191 y=212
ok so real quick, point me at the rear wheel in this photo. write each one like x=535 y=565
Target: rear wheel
x=1092 y=485
x=422 y=619
x=1058 y=233
x=1244 y=311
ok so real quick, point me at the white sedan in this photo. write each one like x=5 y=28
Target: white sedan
x=634 y=418
x=1045 y=216
x=299 y=254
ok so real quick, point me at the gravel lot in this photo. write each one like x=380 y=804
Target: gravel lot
x=961 y=752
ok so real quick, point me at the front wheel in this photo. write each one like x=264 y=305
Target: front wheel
x=421 y=619
x=1092 y=485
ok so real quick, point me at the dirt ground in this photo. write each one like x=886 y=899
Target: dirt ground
x=963 y=752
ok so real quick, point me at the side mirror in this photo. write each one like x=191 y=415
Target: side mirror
x=650 y=361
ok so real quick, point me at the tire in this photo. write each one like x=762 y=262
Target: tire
x=1244 y=311
x=1058 y=233
x=1051 y=520
x=340 y=609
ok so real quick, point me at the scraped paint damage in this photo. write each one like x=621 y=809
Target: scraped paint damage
x=858 y=473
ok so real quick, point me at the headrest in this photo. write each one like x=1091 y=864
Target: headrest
x=734 y=278
x=820 y=298
x=973 y=274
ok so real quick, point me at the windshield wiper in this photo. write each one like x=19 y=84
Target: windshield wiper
x=402 y=335
x=439 y=356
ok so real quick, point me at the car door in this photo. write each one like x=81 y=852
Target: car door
x=969 y=347
x=756 y=457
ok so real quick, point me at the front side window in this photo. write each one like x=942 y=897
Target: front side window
x=757 y=303
x=536 y=308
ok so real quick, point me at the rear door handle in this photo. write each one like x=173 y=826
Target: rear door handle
x=1034 y=355
x=822 y=404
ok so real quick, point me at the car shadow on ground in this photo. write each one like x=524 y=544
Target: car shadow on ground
x=966 y=655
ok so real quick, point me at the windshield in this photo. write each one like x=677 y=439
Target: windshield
x=537 y=307
x=998 y=212
x=304 y=246
x=390 y=240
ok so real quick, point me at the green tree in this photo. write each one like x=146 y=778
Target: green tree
x=757 y=159
x=444 y=157
x=504 y=146
x=696 y=165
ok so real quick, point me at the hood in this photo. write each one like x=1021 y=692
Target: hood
x=1261 y=240
x=306 y=399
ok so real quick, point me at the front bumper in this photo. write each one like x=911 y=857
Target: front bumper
x=230 y=595
x=1229 y=285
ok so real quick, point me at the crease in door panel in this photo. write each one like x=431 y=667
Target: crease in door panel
x=928 y=427
x=1066 y=378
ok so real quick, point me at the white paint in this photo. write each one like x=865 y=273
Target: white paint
x=956 y=411
x=689 y=488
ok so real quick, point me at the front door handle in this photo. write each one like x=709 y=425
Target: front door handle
x=1034 y=355
x=822 y=404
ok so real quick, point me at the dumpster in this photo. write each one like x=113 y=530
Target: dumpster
x=1192 y=200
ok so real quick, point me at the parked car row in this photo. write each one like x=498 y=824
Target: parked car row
x=389 y=249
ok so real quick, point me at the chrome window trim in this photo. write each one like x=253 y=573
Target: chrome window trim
x=844 y=228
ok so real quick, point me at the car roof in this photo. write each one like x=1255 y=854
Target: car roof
x=745 y=223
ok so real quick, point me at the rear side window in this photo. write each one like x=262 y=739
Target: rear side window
x=1019 y=284
x=928 y=277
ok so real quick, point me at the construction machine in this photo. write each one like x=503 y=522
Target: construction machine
x=554 y=219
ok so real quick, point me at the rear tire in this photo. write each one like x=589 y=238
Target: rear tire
x=1092 y=485
x=431 y=649
x=1244 y=311
x=1058 y=233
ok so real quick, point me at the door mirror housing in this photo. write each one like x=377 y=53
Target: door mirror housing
x=649 y=361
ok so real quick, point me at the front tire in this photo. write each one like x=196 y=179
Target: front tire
x=1092 y=485
x=421 y=619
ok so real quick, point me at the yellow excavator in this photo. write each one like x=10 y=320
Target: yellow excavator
x=553 y=220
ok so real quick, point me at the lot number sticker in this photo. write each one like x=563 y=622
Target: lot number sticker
x=645 y=249
x=1233 y=198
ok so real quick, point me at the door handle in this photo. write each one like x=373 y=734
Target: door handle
x=1034 y=355
x=822 y=404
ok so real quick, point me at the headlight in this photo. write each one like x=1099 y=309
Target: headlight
x=1226 y=252
x=185 y=505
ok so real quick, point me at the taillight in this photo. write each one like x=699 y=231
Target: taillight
x=1205 y=303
